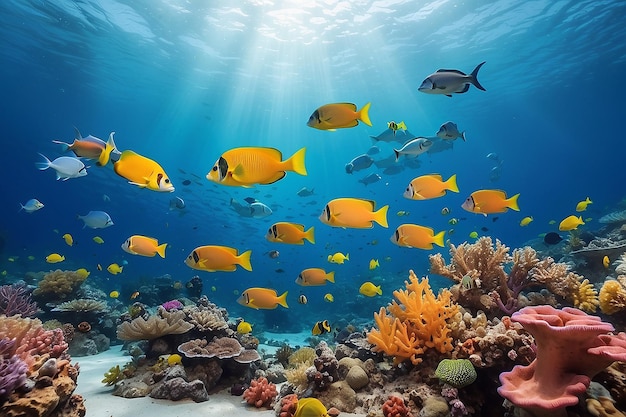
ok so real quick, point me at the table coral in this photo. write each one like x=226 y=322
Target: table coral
x=154 y=327
x=418 y=320
x=261 y=393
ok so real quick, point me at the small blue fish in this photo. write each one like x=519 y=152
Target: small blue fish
x=370 y=179
x=66 y=167
x=96 y=220
x=360 y=162
x=31 y=205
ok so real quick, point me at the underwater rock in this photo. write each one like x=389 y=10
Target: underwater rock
x=357 y=378
x=434 y=407
x=131 y=388
x=177 y=389
x=339 y=395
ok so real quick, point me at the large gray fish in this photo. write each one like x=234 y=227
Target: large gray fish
x=450 y=131
x=415 y=147
x=449 y=81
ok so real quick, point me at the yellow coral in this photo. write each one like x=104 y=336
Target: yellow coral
x=586 y=298
x=417 y=320
x=59 y=284
x=613 y=296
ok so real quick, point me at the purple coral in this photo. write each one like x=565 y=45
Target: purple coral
x=12 y=370
x=172 y=305
x=15 y=300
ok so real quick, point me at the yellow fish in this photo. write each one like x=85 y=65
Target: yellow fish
x=115 y=269
x=142 y=172
x=218 y=258
x=430 y=186
x=321 y=327
x=105 y=155
x=174 y=359
x=353 y=212
x=244 y=327
x=68 y=239
x=582 y=205
x=114 y=294
x=310 y=407
x=82 y=272
x=526 y=221
x=473 y=235
x=397 y=126
x=54 y=258
x=338 y=258
x=262 y=298
x=606 y=261
x=247 y=166
x=570 y=223
x=144 y=246
x=338 y=116
x=98 y=240
x=312 y=277
x=328 y=297
x=293 y=233
x=416 y=236
x=370 y=290
x=374 y=264
x=490 y=201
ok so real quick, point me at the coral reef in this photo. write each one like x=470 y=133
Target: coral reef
x=394 y=406
x=261 y=393
x=222 y=348
x=613 y=295
x=31 y=339
x=14 y=299
x=457 y=372
x=82 y=305
x=154 y=327
x=418 y=320
x=59 y=285
x=12 y=369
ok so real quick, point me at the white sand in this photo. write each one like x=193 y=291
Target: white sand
x=100 y=402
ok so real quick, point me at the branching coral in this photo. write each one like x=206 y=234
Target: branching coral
x=205 y=319
x=59 y=285
x=613 y=295
x=154 y=327
x=31 y=339
x=418 y=320
x=12 y=369
x=261 y=393
x=15 y=300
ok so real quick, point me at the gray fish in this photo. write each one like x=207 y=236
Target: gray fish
x=305 y=192
x=370 y=179
x=415 y=147
x=450 y=81
x=373 y=150
x=389 y=136
x=31 y=205
x=450 y=131
x=66 y=167
x=177 y=203
x=260 y=210
x=96 y=220
x=363 y=161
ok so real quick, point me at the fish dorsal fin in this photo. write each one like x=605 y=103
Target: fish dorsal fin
x=232 y=251
x=352 y=106
x=270 y=152
x=451 y=70
x=298 y=226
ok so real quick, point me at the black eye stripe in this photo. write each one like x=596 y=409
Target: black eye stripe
x=195 y=256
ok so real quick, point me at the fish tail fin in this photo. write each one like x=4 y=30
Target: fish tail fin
x=330 y=277
x=379 y=291
x=364 y=114
x=105 y=155
x=474 y=76
x=380 y=216
x=42 y=165
x=451 y=184
x=397 y=153
x=438 y=238
x=588 y=201
x=282 y=300
x=512 y=202
x=310 y=235
x=296 y=162
x=244 y=260
x=161 y=250
x=347 y=256
x=402 y=125
x=463 y=136
x=64 y=146
x=580 y=220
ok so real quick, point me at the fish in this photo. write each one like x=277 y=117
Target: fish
x=259 y=210
x=305 y=192
x=115 y=269
x=99 y=267
x=321 y=327
x=66 y=167
x=389 y=135
x=310 y=407
x=606 y=261
x=31 y=206
x=54 y=258
x=450 y=81
x=552 y=222
x=450 y=131
x=69 y=240
x=328 y=297
x=313 y=277
x=370 y=179
x=247 y=166
x=354 y=213
x=414 y=147
x=338 y=116
x=144 y=246
x=430 y=186
x=134 y=295
x=177 y=203
x=374 y=264
x=397 y=126
x=473 y=235
x=262 y=298
x=186 y=182
x=445 y=211
x=338 y=258
x=526 y=221
x=415 y=236
x=552 y=238
x=401 y=213
x=96 y=220
x=90 y=147
x=490 y=201
x=142 y=172
x=273 y=254
x=98 y=240
x=359 y=163
x=105 y=155
x=114 y=294
x=582 y=205
x=368 y=289
x=571 y=223
x=244 y=327
x=302 y=299
x=291 y=233
x=373 y=150
x=218 y=258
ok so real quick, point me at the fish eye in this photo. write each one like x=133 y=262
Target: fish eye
x=214 y=168
x=167 y=180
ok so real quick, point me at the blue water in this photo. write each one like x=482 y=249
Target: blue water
x=181 y=83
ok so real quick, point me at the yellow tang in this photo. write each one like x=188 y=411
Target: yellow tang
x=286 y=232
x=218 y=258
x=114 y=294
x=370 y=290
x=490 y=201
x=83 y=273
x=144 y=246
x=328 y=297
x=606 y=261
x=353 y=212
x=115 y=269
x=312 y=277
x=244 y=327
x=68 y=239
x=570 y=223
x=247 y=166
x=338 y=258
x=262 y=298
x=430 y=186
x=98 y=240
x=526 y=221
x=582 y=205
x=339 y=115
x=416 y=236
x=374 y=264
x=54 y=258
x=142 y=172
x=310 y=407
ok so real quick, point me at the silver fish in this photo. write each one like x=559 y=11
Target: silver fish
x=66 y=167
x=450 y=81
x=305 y=192
x=31 y=205
x=415 y=147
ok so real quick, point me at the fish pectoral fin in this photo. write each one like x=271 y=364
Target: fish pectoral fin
x=238 y=171
x=137 y=184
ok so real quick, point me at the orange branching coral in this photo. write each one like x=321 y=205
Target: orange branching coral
x=586 y=298
x=417 y=320
x=59 y=285
x=613 y=295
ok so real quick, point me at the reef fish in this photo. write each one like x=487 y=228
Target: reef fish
x=96 y=220
x=450 y=131
x=490 y=201
x=262 y=298
x=397 y=126
x=310 y=407
x=54 y=258
x=430 y=186
x=144 y=246
x=450 y=81
x=582 y=205
x=244 y=327
x=321 y=327
x=414 y=147
x=370 y=179
x=416 y=236
x=218 y=258
x=142 y=172
x=570 y=223
x=66 y=167
x=368 y=289
x=313 y=277
x=31 y=206
x=292 y=233
x=115 y=269
x=338 y=258
x=339 y=115
x=359 y=163
x=354 y=213
x=526 y=221
x=69 y=240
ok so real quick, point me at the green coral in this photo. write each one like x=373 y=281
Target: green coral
x=113 y=376
x=457 y=372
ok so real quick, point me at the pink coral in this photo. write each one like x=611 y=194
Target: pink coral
x=31 y=339
x=395 y=407
x=572 y=347
x=261 y=393
x=288 y=405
